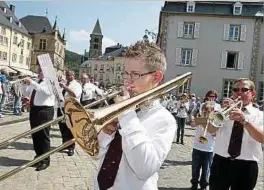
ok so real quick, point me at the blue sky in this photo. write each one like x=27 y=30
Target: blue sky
x=123 y=22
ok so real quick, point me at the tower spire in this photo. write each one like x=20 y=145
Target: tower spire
x=55 y=24
x=97 y=28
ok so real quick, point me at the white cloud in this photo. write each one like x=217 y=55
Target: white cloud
x=80 y=40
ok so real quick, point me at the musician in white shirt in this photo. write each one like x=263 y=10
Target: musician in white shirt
x=42 y=103
x=146 y=135
x=235 y=161
x=89 y=90
x=71 y=89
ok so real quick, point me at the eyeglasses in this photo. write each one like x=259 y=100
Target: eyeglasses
x=211 y=96
x=241 y=89
x=135 y=75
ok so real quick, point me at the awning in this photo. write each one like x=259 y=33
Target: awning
x=25 y=71
x=8 y=69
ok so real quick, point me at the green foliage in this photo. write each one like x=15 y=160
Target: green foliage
x=73 y=61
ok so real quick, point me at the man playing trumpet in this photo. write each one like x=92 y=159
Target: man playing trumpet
x=203 y=145
x=238 y=143
x=142 y=139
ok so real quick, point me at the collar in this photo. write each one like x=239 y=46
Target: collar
x=250 y=108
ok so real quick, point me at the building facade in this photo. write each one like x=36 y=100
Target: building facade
x=218 y=41
x=46 y=39
x=15 y=42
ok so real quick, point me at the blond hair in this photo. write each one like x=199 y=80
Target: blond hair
x=150 y=53
x=249 y=82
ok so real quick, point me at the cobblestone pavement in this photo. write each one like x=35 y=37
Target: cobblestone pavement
x=77 y=172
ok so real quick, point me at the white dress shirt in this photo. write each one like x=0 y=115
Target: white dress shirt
x=209 y=146
x=76 y=88
x=44 y=95
x=146 y=140
x=251 y=149
x=89 y=91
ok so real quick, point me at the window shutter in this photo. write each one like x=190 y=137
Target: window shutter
x=223 y=59
x=240 y=62
x=180 y=29
x=178 y=56
x=226 y=31
x=243 y=33
x=196 y=30
x=194 y=57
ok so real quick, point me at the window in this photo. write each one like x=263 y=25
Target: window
x=234 y=32
x=96 y=40
x=95 y=46
x=262 y=65
x=261 y=91
x=27 y=61
x=1 y=39
x=227 y=88
x=5 y=41
x=22 y=43
x=15 y=40
x=190 y=7
x=232 y=60
x=102 y=67
x=14 y=57
x=95 y=67
x=186 y=56
x=22 y=51
x=21 y=57
x=101 y=77
x=4 y=56
x=118 y=67
x=28 y=45
x=188 y=30
x=42 y=44
x=237 y=9
x=3 y=31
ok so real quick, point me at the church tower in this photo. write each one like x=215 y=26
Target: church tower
x=96 y=41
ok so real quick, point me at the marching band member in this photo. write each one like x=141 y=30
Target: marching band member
x=202 y=154
x=89 y=90
x=71 y=89
x=42 y=103
x=141 y=140
x=238 y=143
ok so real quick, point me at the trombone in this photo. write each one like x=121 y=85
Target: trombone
x=86 y=125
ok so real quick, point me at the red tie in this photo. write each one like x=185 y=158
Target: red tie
x=108 y=171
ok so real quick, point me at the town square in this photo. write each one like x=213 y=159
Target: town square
x=144 y=95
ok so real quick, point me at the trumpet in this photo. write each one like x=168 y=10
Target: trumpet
x=218 y=118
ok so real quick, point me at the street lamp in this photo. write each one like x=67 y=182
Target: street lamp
x=145 y=38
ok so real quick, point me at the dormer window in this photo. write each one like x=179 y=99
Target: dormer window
x=4 y=9
x=11 y=19
x=237 y=9
x=19 y=24
x=190 y=7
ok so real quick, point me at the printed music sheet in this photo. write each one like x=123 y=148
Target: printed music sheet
x=49 y=72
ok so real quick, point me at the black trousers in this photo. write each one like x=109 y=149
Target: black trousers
x=86 y=102
x=65 y=131
x=41 y=139
x=180 y=129
x=237 y=174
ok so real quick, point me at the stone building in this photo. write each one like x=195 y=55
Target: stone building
x=46 y=39
x=218 y=41
x=15 y=42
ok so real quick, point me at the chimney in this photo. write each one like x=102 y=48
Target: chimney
x=12 y=8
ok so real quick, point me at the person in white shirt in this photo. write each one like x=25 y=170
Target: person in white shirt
x=182 y=115
x=142 y=139
x=71 y=89
x=202 y=154
x=238 y=143
x=42 y=103
x=89 y=90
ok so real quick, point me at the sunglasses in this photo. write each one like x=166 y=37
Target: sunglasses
x=241 y=89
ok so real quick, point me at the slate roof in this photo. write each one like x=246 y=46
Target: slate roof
x=220 y=7
x=97 y=28
x=4 y=19
x=36 y=24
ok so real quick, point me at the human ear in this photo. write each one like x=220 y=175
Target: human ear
x=158 y=76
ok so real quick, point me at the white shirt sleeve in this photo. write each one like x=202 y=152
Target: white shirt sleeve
x=141 y=151
x=77 y=89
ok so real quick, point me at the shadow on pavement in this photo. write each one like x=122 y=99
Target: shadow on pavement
x=189 y=135
x=168 y=163
x=5 y=161
x=173 y=188
x=21 y=146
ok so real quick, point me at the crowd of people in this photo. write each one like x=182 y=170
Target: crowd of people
x=134 y=146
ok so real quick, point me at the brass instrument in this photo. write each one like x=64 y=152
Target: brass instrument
x=218 y=118
x=85 y=125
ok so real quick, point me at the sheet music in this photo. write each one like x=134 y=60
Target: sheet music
x=50 y=73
